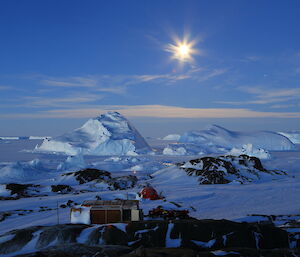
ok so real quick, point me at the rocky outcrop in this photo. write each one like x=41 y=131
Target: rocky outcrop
x=29 y=190
x=104 y=177
x=22 y=190
x=80 y=177
x=87 y=175
x=228 y=168
x=17 y=240
x=61 y=189
x=123 y=182
x=205 y=236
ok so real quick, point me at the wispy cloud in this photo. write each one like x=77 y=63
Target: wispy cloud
x=70 y=82
x=283 y=106
x=266 y=95
x=156 y=111
x=211 y=74
x=297 y=70
x=252 y=58
x=118 y=84
x=50 y=102
x=2 y=88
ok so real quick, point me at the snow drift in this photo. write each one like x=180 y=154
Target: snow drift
x=220 y=137
x=108 y=134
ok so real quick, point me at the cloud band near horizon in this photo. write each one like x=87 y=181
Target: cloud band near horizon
x=154 y=111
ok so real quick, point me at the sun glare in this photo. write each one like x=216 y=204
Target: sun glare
x=182 y=50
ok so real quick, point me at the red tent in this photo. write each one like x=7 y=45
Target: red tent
x=149 y=193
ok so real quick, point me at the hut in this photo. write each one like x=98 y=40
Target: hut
x=103 y=212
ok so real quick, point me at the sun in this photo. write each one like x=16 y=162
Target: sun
x=183 y=50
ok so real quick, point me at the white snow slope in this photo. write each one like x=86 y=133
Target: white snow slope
x=108 y=134
x=221 y=137
x=294 y=136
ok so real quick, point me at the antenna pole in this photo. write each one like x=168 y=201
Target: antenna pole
x=57 y=212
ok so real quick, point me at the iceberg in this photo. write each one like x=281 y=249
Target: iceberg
x=173 y=137
x=108 y=134
x=249 y=150
x=221 y=137
x=22 y=171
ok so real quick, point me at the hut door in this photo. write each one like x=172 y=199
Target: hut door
x=97 y=216
x=113 y=216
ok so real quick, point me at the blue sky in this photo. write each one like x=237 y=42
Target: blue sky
x=62 y=62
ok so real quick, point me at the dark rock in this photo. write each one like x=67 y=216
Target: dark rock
x=222 y=169
x=20 y=238
x=64 y=234
x=64 y=189
x=114 y=236
x=195 y=235
x=5 y=198
x=79 y=250
x=96 y=236
x=23 y=190
x=166 y=252
x=231 y=252
x=19 y=189
x=70 y=203
x=147 y=234
x=3 y=215
x=223 y=233
x=87 y=175
x=122 y=183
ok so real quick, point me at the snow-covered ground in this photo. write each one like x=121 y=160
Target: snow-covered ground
x=230 y=201
x=19 y=164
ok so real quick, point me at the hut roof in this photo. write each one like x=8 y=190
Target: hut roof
x=103 y=203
